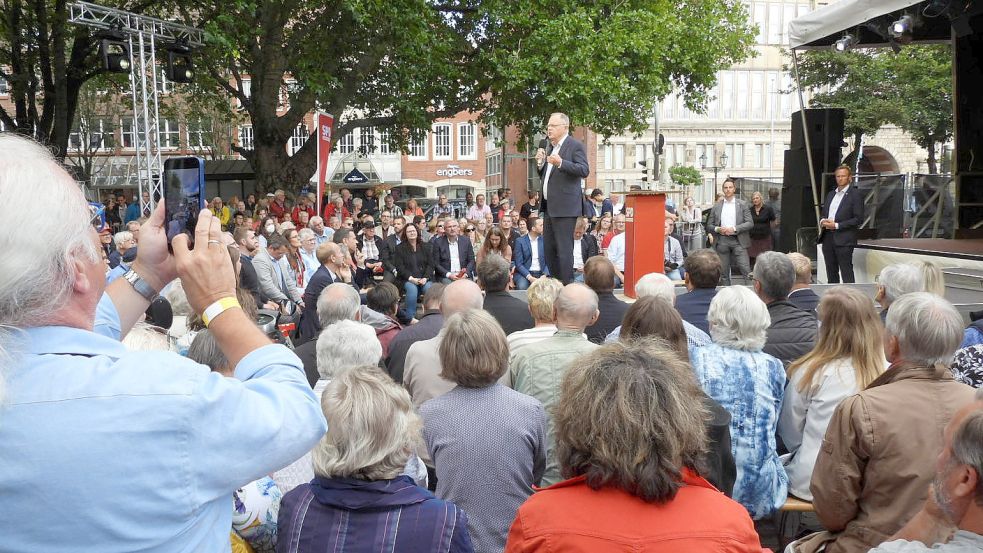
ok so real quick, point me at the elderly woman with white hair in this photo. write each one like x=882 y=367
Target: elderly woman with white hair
x=895 y=281
x=658 y=284
x=358 y=500
x=749 y=385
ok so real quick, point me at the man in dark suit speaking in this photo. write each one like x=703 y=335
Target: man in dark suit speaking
x=562 y=166
x=843 y=213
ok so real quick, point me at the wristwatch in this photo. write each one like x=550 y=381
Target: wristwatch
x=140 y=285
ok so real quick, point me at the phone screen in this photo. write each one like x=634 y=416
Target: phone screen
x=184 y=191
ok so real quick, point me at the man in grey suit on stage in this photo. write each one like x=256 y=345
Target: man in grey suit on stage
x=729 y=223
x=562 y=165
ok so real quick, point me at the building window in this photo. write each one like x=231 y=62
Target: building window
x=774 y=23
x=639 y=153
x=366 y=140
x=163 y=85
x=298 y=138
x=758 y=97
x=759 y=15
x=608 y=156
x=418 y=148
x=493 y=164
x=384 y=148
x=127 y=136
x=246 y=137
x=247 y=90
x=91 y=135
x=708 y=150
x=742 y=97
x=347 y=143
x=493 y=135
x=442 y=141
x=169 y=137
x=466 y=140
x=4 y=87
x=735 y=155
x=619 y=156
x=198 y=133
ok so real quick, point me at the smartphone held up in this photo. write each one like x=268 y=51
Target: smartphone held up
x=184 y=195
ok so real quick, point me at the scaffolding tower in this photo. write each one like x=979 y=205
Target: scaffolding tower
x=143 y=34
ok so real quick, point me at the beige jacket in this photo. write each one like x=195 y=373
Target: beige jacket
x=878 y=457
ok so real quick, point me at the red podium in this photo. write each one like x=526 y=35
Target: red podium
x=645 y=215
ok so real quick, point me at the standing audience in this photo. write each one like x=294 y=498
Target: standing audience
x=487 y=442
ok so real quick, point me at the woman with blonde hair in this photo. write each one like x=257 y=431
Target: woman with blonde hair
x=934 y=279
x=846 y=358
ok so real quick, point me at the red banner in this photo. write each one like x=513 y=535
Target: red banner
x=325 y=127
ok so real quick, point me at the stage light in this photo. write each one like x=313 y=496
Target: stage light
x=180 y=68
x=845 y=43
x=902 y=26
x=936 y=8
x=114 y=52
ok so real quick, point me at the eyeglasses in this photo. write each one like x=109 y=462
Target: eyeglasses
x=470 y=229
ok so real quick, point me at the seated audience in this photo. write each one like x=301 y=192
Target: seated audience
x=337 y=302
x=749 y=384
x=413 y=260
x=967 y=366
x=951 y=519
x=655 y=317
x=673 y=254
x=105 y=449
x=630 y=434
x=510 y=312
x=847 y=357
x=333 y=269
x=793 y=331
x=702 y=275
x=487 y=442
x=538 y=371
x=427 y=327
x=530 y=256
x=422 y=374
x=453 y=254
x=584 y=247
x=358 y=498
x=934 y=278
x=255 y=505
x=801 y=295
x=974 y=332
x=541 y=295
x=383 y=298
x=658 y=284
x=599 y=276
x=876 y=463
x=895 y=281
x=495 y=242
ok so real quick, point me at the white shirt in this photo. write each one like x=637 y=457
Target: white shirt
x=549 y=166
x=534 y=264
x=616 y=251
x=805 y=416
x=834 y=205
x=963 y=541
x=728 y=213
x=528 y=336
x=578 y=255
x=455 y=256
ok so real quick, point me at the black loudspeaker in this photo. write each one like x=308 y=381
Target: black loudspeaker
x=824 y=126
x=798 y=206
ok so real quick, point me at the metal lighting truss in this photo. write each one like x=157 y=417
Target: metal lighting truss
x=143 y=34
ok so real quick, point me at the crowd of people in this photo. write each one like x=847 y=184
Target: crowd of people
x=571 y=420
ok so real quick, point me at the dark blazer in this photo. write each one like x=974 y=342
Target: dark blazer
x=589 y=247
x=248 y=280
x=510 y=312
x=442 y=256
x=612 y=312
x=804 y=298
x=522 y=255
x=744 y=221
x=694 y=305
x=565 y=198
x=417 y=263
x=849 y=216
x=388 y=253
x=310 y=325
x=308 y=356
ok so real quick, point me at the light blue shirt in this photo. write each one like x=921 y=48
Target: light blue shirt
x=325 y=236
x=107 y=450
x=310 y=265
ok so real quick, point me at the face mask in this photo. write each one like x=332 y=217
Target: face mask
x=270 y=228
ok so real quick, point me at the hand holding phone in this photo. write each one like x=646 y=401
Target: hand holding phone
x=184 y=196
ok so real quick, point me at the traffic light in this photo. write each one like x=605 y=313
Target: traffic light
x=645 y=172
x=114 y=51
x=179 y=69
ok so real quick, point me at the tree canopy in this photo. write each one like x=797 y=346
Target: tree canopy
x=911 y=89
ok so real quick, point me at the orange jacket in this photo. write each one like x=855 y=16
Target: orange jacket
x=571 y=517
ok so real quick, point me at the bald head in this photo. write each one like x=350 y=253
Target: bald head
x=459 y=296
x=575 y=307
x=326 y=251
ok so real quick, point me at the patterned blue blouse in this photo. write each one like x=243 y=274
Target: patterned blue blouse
x=750 y=386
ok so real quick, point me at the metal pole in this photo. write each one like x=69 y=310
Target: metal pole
x=802 y=114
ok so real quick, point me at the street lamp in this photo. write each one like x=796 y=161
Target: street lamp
x=722 y=165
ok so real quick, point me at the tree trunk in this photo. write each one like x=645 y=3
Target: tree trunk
x=275 y=169
x=932 y=165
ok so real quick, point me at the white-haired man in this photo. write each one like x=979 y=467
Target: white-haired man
x=878 y=457
x=81 y=407
x=658 y=284
x=321 y=233
x=895 y=281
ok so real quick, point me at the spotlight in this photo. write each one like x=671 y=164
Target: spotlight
x=114 y=52
x=180 y=69
x=902 y=26
x=845 y=43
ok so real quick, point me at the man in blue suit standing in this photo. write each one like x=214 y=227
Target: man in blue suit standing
x=562 y=165
x=530 y=255
x=843 y=213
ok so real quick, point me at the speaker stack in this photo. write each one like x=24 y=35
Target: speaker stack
x=825 y=130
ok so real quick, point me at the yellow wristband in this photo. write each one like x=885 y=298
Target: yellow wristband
x=217 y=308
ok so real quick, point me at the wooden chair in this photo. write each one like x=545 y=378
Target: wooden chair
x=788 y=520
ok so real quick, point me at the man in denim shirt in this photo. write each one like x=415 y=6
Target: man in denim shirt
x=104 y=449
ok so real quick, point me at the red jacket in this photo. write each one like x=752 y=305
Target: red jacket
x=571 y=517
x=295 y=214
x=277 y=210
x=332 y=211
